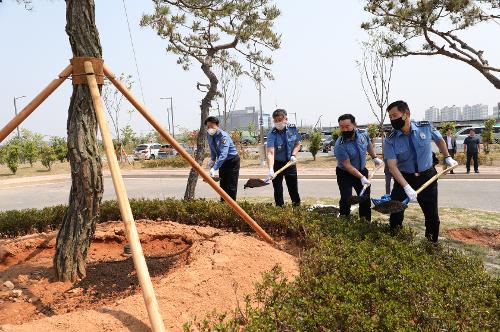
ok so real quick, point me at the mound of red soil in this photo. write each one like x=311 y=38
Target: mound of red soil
x=194 y=271
x=484 y=237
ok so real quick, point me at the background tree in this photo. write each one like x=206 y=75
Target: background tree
x=78 y=226
x=47 y=156
x=336 y=134
x=12 y=152
x=315 y=143
x=447 y=125
x=113 y=101
x=376 y=73
x=31 y=144
x=129 y=137
x=200 y=30
x=373 y=131
x=229 y=73
x=438 y=26
x=60 y=147
x=487 y=135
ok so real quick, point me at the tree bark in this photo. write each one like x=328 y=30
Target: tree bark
x=78 y=226
x=202 y=133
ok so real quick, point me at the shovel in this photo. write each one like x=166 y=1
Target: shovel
x=386 y=205
x=215 y=178
x=254 y=183
x=361 y=197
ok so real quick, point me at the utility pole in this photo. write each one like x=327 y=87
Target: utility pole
x=261 y=123
x=171 y=120
x=15 y=111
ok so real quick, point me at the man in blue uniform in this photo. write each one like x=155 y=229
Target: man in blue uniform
x=283 y=144
x=223 y=157
x=350 y=151
x=408 y=152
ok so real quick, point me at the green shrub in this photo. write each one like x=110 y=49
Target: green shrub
x=315 y=143
x=357 y=277
x=461 y=158
x=175 y=162
x=354 y=275
x=47 y=156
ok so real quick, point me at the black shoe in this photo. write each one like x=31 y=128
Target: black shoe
x=476 y=171
x=452 y=172
x=468 y=172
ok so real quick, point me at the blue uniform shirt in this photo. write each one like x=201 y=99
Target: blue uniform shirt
x=221 y=148
x=354 y=150
x=283 y=141
x=413 y=152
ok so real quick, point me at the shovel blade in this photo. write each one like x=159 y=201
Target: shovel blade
x=254 y=183
x=390 y=207
x=356 y=199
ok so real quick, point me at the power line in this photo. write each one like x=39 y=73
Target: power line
x=133 y=51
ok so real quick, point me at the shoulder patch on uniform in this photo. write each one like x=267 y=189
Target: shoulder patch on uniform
x=291 y=125
x=423 y=123
x=224 y=141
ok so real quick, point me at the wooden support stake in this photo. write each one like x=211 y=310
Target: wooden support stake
x=26 y=111
x=185 y=155
x=125 y=210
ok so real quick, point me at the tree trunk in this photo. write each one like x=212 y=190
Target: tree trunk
x=78 y=226
x=202 y=134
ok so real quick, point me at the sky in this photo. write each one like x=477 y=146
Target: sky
x=315 y=69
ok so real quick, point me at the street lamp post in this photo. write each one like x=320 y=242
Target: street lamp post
x=15 y=111
x=171 y=115
x=261 y=123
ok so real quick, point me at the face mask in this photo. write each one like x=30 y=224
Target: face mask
x=280 y=125
x=347 y=134
x=398 y=123
x=211 y=131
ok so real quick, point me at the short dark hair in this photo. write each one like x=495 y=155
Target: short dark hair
x=472 y=130
x=347 y=117
x=211 y=119
x=401 y=105
x=279 y=112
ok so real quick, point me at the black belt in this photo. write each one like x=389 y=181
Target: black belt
x=423 y=173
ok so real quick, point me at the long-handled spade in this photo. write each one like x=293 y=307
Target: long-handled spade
x=387 y=206
x=361 y=197
x=254 y=183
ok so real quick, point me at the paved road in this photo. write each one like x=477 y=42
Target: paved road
x=478 y=193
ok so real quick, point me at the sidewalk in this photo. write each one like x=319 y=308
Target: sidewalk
x=245 y=173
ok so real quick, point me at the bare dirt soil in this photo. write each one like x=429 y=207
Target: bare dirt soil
x=481 y=236
x=194 y=271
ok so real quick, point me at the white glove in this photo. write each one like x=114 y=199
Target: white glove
x=377 y=161
x=412 y=194
x=271 y=173
x=364 y=181
x=293 y=159
x=450 y=161
x=211 y=163
x=212 y=172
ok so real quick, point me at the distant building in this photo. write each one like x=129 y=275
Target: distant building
x=432 y=114
x=452 y=113
x=496 y=111
x=242 y=118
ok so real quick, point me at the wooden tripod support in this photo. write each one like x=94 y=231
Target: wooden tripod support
x=121 y=193
x=124 y=204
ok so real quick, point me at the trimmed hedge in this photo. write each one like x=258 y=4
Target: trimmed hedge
x=277 y=221
x=357 y=277
x=354 y=275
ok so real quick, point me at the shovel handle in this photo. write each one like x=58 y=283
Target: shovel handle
x=375 y=169
x=431 y=180
x=288 y=164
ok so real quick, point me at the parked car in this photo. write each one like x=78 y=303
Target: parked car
x=327 y=145
x=166 y=150
x=248 y=140
x=377 y=145
x=147 y=151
